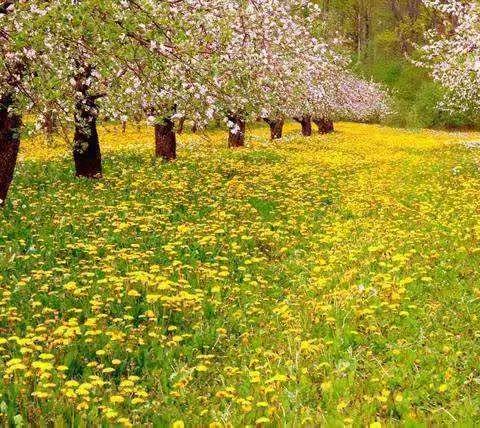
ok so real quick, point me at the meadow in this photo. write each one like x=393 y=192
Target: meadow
x=330 y=280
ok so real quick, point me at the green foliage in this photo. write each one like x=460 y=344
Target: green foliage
x=383 y=36
x=417 y=97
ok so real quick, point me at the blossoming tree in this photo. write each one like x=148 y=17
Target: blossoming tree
x=452 y=53
x=270 y=46
x=10 y=75
x=169 y=49
x=54 y=62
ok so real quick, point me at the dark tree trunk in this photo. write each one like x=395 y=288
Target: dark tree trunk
x=236 y=136
x=325 y=126
x=86 y=146
x=124 y=126
x=9 y=144
x=165 y=140
x=306 y=122
x=276 y=128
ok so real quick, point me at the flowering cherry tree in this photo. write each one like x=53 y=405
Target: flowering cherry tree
x=452 y=53
x=169 y=50
x=307 y=74
x=332 y=92
x=55 y=62
x=275 y=66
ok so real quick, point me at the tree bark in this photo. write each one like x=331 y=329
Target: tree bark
x=165 y=140
x=276 y=128
x=236 y=136
x=306 y=122
x=86 y=145
x=325 y=126
x=50 y=124
x=181 y=125
x=9 y=144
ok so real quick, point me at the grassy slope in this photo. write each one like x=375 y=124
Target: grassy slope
x=325 y=280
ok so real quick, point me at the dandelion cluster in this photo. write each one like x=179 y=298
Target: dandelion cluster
x=332 y=281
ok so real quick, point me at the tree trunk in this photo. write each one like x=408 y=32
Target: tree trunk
x=165 y=140
x=50 y=124
x=236 y=135
x=306 y=122
x=86 y=146
x=9 y=144
x=325 y=126
x=276 y=128
x=181 y=125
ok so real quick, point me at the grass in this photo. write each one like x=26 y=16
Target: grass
x=324 y=281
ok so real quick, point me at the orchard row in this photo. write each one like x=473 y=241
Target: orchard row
x=74 y=62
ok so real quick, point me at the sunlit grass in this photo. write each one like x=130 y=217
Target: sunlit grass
x=329 y=280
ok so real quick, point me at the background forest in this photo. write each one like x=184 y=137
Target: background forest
x=383 y=35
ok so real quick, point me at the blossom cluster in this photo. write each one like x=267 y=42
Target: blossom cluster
x=197 y=59
x=452 y=53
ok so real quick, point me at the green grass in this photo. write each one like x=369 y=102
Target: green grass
x=331 y=280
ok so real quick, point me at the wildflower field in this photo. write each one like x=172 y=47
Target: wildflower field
x=330 y=280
